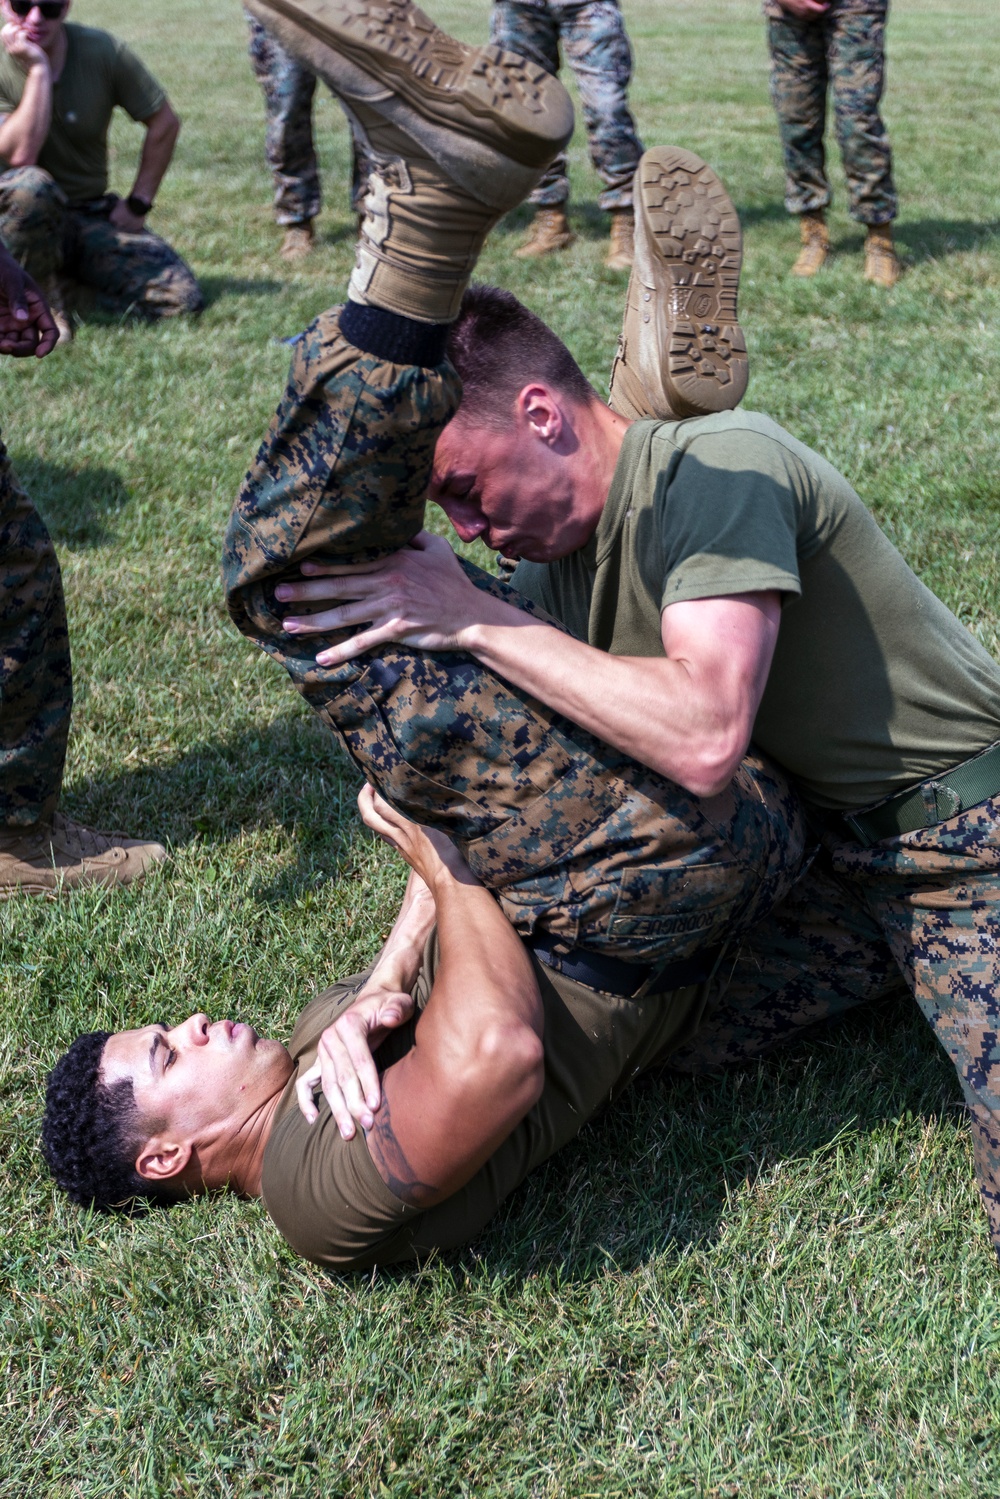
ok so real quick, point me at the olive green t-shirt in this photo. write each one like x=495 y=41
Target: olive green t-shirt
x=874 y=686
x=99 y=73
x=325 y=1194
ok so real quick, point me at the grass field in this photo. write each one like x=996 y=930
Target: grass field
x=778 y=1283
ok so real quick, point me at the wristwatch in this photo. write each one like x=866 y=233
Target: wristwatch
x=137 y=205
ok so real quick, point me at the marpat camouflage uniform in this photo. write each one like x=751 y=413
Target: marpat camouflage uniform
x=36 y=684
x=288 y=87
x=577 y=840
x=593 y=38
x=844 y=49
x=50 y=236
x=919 y=911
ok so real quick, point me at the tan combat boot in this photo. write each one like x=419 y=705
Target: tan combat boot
x=621 y=250
x=299 y=241
x=549 y=232
x=457 y=136
x=681 y=351
x=881 y=261
x=49 y=857
x=815 y=244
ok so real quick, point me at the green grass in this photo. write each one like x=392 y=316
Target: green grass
x=774 y=1284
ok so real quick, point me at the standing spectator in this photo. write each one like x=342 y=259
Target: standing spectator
x=59 y=86
x=42 y=851
x=289 y=87
x=593 y=38
x=840 y=44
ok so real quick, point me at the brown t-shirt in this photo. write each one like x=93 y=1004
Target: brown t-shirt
x=325 y=1193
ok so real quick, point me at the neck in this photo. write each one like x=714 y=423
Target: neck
x=237 y=1161
x=601 y=436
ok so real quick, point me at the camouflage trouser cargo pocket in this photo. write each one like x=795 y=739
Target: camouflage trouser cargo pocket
x=36 y=684
x=920 y=912
x=548 y=816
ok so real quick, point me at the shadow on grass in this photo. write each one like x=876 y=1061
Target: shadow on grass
x=215 y=288
x=660 y=1169
x=81 y=507
x=290 y=774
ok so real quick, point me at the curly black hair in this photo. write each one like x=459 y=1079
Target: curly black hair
x=91 y=1132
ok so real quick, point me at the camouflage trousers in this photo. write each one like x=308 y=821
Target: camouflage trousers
x=593 y=37
x=289 y=88
x=52 y=237
x=36 y=684
x=579 y=842
x=844 y=51
x=922 y=912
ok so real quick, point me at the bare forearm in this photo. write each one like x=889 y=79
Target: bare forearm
x=399 y=962
x=157 y=152
x=23 y=132
x=651 y=708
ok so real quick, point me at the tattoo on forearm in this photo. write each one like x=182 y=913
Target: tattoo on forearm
x=391 y=1162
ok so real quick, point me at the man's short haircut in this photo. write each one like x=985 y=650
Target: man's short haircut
x=498 y=347
x=91 y=1133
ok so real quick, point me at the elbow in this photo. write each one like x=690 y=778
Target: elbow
x=712 y=763
x=511 y=1058
x=21 y=156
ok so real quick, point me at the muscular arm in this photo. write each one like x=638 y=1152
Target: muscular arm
x=23 y=131
x=477 y=1063
x=162 y=130
x=688 y=715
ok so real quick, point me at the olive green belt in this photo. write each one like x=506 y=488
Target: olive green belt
x=931 y=802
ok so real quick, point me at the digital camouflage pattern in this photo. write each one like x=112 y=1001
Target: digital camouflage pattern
x=288 y=87
x=138 y=273
x=843 y=50
x=920 y=911
x=36 y=683
x=594 y=42
x=577 y=840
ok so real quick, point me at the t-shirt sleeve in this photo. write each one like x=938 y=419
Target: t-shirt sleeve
x=727 y=518
x=135 y=89
x=326 y=1196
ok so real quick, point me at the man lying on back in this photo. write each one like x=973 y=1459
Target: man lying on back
x=494 y=1063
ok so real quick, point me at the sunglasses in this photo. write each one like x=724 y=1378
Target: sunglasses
x=51 y=10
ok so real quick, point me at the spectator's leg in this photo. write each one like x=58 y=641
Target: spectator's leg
x=33 y=220
x=137 y=273
x=798 y=92
x=857 y=74
x=288 y=89
x=533 y=32
x=36 y=684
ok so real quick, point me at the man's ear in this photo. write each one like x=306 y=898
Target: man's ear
x=159 y=1160
x=539 y=408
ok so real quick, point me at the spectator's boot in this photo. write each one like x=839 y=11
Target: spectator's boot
x=457 y=136
x=881 y=261
x=49 y=857
x=621 y=250
x=815 y=244
x=299 y=241
x=681 y=351
x=549 y=233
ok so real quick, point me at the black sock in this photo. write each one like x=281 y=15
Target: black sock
x=391 y=336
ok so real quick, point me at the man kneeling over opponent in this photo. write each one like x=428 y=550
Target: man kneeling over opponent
x=490 y=1062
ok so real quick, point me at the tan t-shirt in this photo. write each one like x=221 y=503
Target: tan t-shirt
x=99 y=74
x=875 y=685
x=325 y=1194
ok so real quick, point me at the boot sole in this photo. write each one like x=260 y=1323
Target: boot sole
x=682 y=341
x=496 y=97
